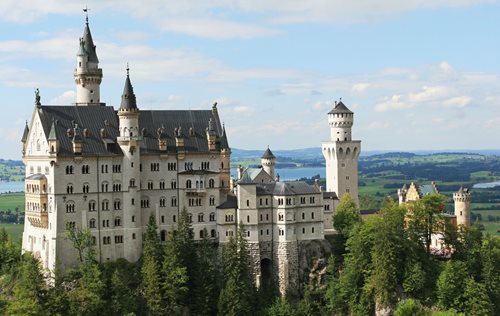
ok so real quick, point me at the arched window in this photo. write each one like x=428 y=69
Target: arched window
x=163 y=201
x=211 y=183
x=213 y=233
x=91 y=206
x=105 y=205
x=117 y=205
x=188 y=184
x=92 y=223
x=69 y=188
x=118 y=222
x=212 y=217
x=70 y=207
x=163 y=235
x=201 y=233
x=86 y=188
x=200 y=218
x=132 y=183
x=104 y=186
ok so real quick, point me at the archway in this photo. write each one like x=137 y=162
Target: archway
x=266 y=273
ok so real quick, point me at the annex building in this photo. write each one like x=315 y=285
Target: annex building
x=91 y=166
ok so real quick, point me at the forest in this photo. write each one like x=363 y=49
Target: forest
x=382 y=265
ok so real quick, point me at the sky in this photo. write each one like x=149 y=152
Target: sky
x=419 y=74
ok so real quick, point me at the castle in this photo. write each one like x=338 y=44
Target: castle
x=462 y=207
x=90 y=166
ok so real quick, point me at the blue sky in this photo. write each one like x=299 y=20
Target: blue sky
x=418 y=74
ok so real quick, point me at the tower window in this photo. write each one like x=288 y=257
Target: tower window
x=80 y=64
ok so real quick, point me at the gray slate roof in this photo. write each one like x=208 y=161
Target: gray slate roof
x=340 y=108
x=25 y=133
x=36 y=176
x=268 y=154
x=230 y=203
x=128 y=97
x=286 y=188
x=330 y=195
x=99 y=138
x=88 y=44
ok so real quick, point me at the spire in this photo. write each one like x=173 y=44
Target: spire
x=88 y=43
x=25 y=133
x=223 y=139
x=128 y=97
x=268 y=154
x=53 y=132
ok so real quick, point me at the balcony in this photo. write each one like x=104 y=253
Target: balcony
x=38 y=219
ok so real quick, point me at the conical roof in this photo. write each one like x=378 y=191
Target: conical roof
x=128 y=97
x=268 y=154
x=223 y=139
x=340 y=108
x=53 y=132
x=88 y=44
x=25 y=133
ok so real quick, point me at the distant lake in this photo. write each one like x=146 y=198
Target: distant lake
x=12 y=186
x=486 y=185
x=294 y=173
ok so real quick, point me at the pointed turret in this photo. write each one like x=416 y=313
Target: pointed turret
x=53 y=139
x=268 y=161
x=25 y=133
x=223 y=143
x=88 y=75
x=129 y=103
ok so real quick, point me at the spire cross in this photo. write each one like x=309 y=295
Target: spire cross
x=128 y=70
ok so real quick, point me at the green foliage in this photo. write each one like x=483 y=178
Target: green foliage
x=490 y=255
x=236 y=295
x=123 y=281
x=450 y=284
x=151 y=269
x=207 y=289
x=29 y=290
x=175 y=279
x=346 y=215
x=410 y=307
x=281 y=307
x=474 y=300
x=82 y=242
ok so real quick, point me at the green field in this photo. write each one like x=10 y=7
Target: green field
x=15 y=231
x=11 y=201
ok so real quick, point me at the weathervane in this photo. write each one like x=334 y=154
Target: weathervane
x=86 y=10
x=128 y=69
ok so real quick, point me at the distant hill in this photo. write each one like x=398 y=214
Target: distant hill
x=315 y=153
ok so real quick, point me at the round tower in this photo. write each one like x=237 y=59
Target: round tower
x=340 y=120
x=268 y=161
x=462 y=206
x=129 y=141
x=88 y=75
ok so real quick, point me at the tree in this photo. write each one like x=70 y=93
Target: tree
x=123 y=281
x=29 y=290
x=58 y=303
x=490 y=258
x=474 y=300
x=81 y=239
x=388 y=254
x=206 y=290
x=184 y=243
x=450 y=284
x=424 y=218
x=151 y=266
x=281 y=307
x=236 y=295
x=175 y=279
x=410 y=307
x=346 y=215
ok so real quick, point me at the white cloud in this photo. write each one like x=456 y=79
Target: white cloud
x=360 y=87
x=458 y=102
x=68 y=97
x=174 y=98
x=243 y=109
x=429 y=94
x=322 y=105
x=392 y=103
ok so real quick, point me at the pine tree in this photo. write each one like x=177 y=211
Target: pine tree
x=184 y=242
x=175 y=279
x=236 y=295
x=450 y=284
x=29 y=290
x=474 y=300
x=490 y=257
x=151 y=269
x=58 y=301
x=206 y=290
x=123 y=281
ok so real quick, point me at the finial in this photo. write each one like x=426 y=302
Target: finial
x=341 y=99
x=214 y=107
x=86 y=10
x=128 y=70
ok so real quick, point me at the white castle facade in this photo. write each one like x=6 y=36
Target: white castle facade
x=92 y=167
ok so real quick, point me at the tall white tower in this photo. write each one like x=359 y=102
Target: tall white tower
x=129 y=140
x=462 y=206
x=268 y=161
x=341 y=153
x=88 y=75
